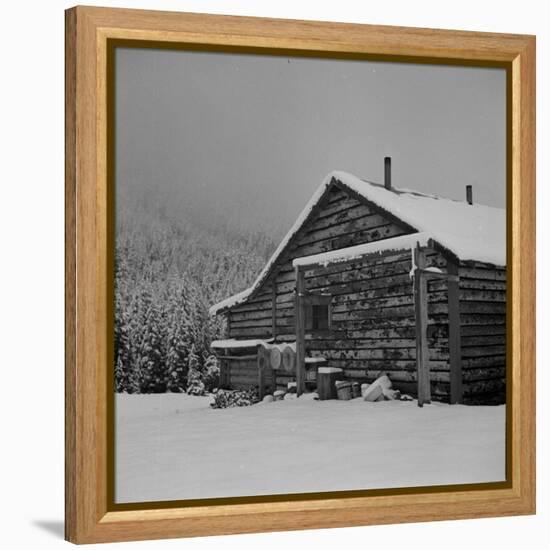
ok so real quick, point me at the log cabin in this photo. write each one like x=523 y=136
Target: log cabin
x=376 y=279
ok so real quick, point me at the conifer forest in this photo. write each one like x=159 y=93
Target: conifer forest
x=169 y=269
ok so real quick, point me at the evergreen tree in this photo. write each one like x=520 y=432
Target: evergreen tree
x=195 y=385
x=168 y=271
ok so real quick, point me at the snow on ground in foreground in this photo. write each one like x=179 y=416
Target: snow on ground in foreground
x=174 y=446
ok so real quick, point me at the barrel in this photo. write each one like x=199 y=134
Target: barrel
x=275 y=357
x=343 y=390
x=289 y=359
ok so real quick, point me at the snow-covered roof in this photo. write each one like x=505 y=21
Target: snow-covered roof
x=471 y=232
x=352 y=252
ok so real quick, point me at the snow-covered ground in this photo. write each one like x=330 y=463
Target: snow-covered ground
x=174 y=446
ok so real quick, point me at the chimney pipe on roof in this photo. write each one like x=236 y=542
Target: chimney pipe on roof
x=387 y=172
x=469 y=194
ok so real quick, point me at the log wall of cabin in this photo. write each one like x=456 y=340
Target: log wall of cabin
x=373 y=321
x=367 y=342
x=339 y=221
x=483 y=333
x=239 y=369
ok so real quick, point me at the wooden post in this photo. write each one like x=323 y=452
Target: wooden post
x=224 y=374
x=274 y=380
x=300 y=331
x=261 y=362
x=421 y=317
x=455 y=351
x=274 y=309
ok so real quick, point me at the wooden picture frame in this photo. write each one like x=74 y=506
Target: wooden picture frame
x=90 y=33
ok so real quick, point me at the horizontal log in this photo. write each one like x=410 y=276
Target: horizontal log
x=482 y=330
x=492 y=398
x=238 y=316
x=285 y=274
x=256 y=332
x=350 y=344
x=469 y=295
x=250 y=323
x=392 y=256
x=357 y=228
x=482 y=274
x=257 y=323
x=282 y=312
x=359 y=237
x=486 y=350
x=392 y=291
x=484 y=387
x=368 y=272
x=389 y=332
x=360 y=284
x=489 y=373
x=385 y=364
x=385 y=314
x=492 y=308
x=472 y=284
x=482 y=265
x=438 y=355
x=479 y=362
x=335 y=206
x=372 y=303
x=439 y=308
x=483 y=340
x=284 y=335
x=358 y=334
x=476 y=295
x=363 y=354
x=242 y=368
x=252 y=306
x=369 y=324
x=352 y=213
x=481 y=319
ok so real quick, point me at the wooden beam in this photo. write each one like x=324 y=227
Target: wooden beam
x=261 y=372
x=273 y=380
x=421 y=318
x=300 y=331
x=274 y=309
x=455 y=348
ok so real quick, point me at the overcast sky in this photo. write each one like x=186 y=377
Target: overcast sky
x=249 y=137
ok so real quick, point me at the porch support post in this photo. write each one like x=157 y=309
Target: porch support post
x=262 y=366
x=274 y=309
x=421 y=318
x=300 y=331
x=455 y=351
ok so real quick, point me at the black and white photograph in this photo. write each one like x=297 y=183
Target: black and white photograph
x=309 y=275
